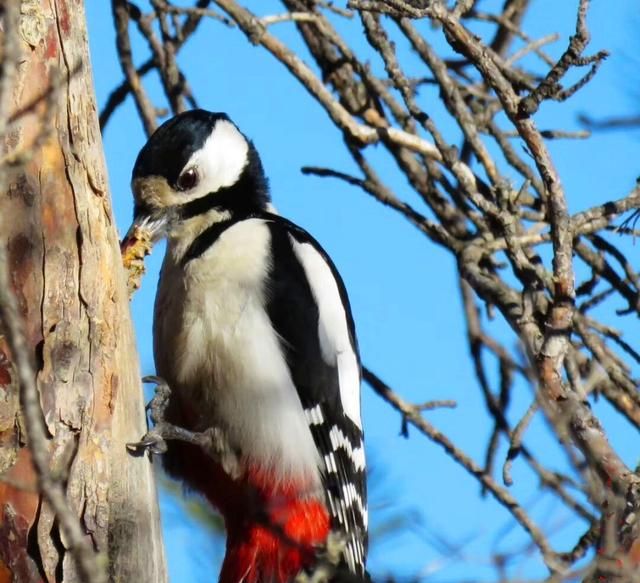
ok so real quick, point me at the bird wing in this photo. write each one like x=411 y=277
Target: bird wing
x=309 y=310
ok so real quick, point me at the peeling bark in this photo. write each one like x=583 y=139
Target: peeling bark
x=67 y=275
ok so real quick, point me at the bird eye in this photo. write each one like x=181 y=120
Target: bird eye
x=188 y=179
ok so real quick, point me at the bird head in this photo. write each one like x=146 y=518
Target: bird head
x=196 y=163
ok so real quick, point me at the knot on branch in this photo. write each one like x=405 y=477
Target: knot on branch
x=255 y=31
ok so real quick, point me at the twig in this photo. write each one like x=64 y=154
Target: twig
x=196 y=11
x=413 y=416
x=145 y=108
x=612 y=123
x=550 y=87
x=288 y=17
x=556 y=135
x=437 y=404
x=331 y=7
x=532 y=46
x=194 y=17
x=516 y=443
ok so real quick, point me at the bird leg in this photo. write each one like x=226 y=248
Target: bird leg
x=212 y=441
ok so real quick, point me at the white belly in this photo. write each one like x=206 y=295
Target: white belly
x=216 y=344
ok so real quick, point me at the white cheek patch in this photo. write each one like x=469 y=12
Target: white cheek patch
x=221 y=159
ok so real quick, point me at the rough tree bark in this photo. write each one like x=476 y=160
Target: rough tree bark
x=65 y=266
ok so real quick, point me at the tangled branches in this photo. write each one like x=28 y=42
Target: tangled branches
x=498 y=208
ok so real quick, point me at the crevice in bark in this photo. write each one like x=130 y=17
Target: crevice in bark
x=33 y=549
x=56 y=539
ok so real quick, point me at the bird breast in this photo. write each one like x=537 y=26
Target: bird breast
x=215 y=344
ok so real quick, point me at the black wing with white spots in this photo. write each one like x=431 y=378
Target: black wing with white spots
x=309 y=309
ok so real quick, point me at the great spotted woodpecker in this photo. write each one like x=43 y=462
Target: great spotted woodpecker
x=254 y=334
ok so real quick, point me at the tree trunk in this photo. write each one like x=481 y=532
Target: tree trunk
x=67 y=274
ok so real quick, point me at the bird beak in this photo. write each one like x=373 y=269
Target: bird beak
x=148 y=227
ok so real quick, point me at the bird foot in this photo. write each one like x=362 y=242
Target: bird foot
x=157 y=407
x=154 y=440
x=212 y=441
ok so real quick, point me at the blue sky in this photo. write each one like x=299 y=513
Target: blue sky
x=403 y=289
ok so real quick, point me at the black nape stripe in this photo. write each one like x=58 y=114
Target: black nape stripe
x=196 y=207
x=207 y=238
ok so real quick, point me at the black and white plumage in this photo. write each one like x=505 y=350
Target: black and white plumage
x=253 y=329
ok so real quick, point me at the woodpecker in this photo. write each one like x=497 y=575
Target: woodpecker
x=254 y=334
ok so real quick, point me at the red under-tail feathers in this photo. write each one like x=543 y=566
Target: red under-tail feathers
x=278 y=548
x=276 y=534
x=273 y=530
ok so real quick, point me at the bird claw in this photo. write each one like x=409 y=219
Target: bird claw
x=159 y=381
x=212 y=441
x=153 y=442
x=157 y=407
